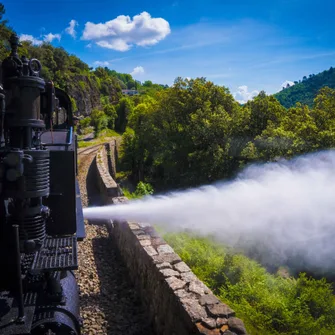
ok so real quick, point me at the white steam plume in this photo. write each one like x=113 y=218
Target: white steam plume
x=287 y=208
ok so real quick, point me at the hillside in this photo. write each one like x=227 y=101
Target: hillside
x=306 y=90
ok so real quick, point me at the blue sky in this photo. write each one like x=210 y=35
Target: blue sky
x=244 y=45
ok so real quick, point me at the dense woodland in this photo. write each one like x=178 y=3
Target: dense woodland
x=193 y=133
x=305 y=90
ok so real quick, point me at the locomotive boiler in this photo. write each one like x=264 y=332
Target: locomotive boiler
x=41 y=217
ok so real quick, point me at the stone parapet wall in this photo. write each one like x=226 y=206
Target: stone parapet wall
x=111 y=149
x=178 y=303
x=106 y=184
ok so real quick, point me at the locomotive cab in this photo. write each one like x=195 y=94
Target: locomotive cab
x=61 y=140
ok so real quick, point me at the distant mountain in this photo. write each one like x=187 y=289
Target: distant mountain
x=306 y=90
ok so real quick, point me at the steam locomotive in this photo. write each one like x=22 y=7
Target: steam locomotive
x=41 y=217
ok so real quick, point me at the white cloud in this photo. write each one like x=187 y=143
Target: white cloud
x=123 y=32
x=116 y=44
x=243 y=95
x=101 y=63
x=47 y=38
x=50 y=37
x=71 y=28
x=89 y=45
x=31 y=38
x=287 y=82
x=138 y=70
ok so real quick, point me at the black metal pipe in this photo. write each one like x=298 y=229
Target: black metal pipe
x=18 y=274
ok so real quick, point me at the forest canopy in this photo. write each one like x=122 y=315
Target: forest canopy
x=195 y=132
x=305 y=90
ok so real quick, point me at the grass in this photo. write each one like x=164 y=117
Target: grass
x=109 y=133
x=105 y=135
x=129 y=194
x=99 y=140
x=269 y=304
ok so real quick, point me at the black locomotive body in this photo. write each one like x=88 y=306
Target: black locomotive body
x=41 y=216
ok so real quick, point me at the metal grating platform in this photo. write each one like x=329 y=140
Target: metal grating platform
x=8 y=324
x=57 y=254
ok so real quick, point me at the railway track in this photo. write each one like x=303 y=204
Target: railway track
x=89 y=150
x=86 y=154
x=109 y=304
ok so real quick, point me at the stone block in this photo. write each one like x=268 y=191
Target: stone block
x=227 y=332
x=164 y=265
x=175 y=283
x=165 y=249
x=169 y=258
x=188 y=276
x=208 y=299
x=199 y=287
x=221 y=321
x=220 y=310
x=224 y=329
x=193 y=309
x=143 y=237
x=138 y=232
x=183 y=294
x=237 y=326
x=150 y=250
x=145 y=243
x=196 y=287
x=156 y=241
x=133 y=225
x=169 y=273
x=181 y=267
x=203 y=330
x=209 y=323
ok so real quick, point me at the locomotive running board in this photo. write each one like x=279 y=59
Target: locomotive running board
x=9 y=324
x=57 y=253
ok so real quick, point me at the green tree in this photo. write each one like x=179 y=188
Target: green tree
x=5 y=33
x=183 y=138
x=324 y=116
x=143 y=189
x=99 y=121
x=123 y=109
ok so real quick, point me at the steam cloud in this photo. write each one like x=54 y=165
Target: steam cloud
x=286 y=209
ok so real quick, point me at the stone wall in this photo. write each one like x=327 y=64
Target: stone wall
x=111 y=149
x=177 y=301
x=106 y=184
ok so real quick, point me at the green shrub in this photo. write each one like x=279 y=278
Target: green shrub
x=83 y=85
x=268 y=304
x=84 y=123
x=74 y=104
x=143 y=189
